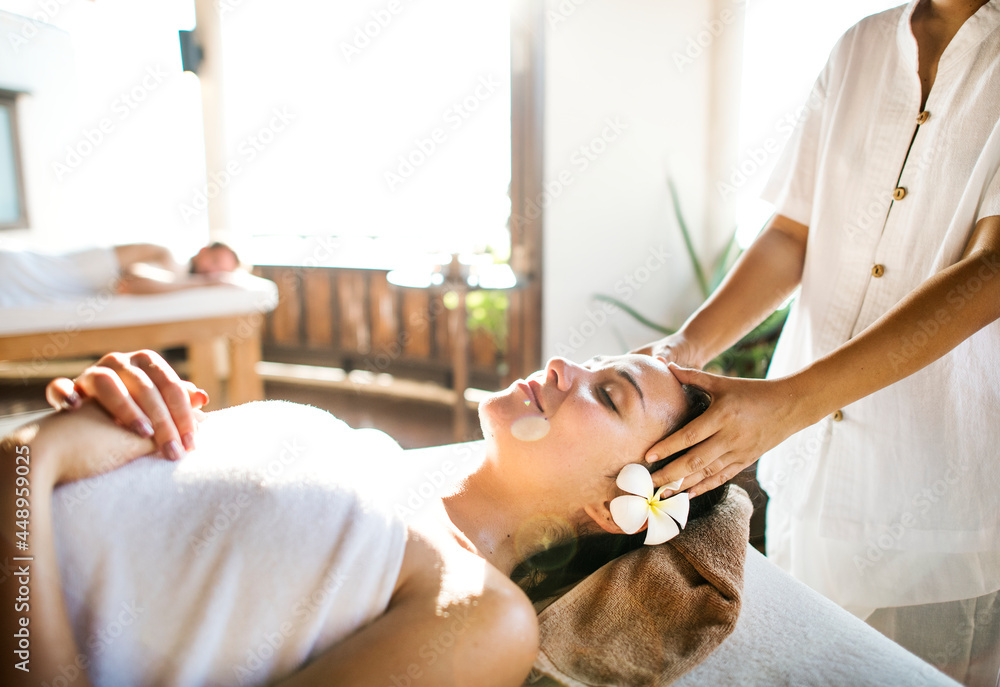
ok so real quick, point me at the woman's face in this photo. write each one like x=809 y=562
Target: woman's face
x=564 y=434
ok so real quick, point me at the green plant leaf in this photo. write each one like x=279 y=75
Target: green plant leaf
x=699 y=273
x=723 y=265
x=639 y=317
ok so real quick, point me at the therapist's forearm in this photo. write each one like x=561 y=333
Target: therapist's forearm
x=933 y=319
x=765 y=275
x=37 y=641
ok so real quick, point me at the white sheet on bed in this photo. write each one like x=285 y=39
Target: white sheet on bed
x=250 y=295
x=787 y=634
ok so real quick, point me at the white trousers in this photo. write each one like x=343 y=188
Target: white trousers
x=959 y=638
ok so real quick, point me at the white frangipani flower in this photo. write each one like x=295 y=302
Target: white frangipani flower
x=667 y=517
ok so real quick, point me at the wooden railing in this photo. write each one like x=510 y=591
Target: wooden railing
x=355 y=319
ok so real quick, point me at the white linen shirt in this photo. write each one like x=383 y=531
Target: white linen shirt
x=896 y=500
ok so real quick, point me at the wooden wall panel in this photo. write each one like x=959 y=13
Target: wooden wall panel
x=355 y=334
x=383 y=314
x=287 y=316
x=356 y=317
x=483 y=350
x=416 y=323
x=319 y=307
x=442 y=328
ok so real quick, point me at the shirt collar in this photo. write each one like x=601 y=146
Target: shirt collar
x=975 y=29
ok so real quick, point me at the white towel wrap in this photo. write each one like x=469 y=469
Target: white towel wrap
x=269 y=543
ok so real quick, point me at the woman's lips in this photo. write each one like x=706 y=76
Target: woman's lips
x=530 y=389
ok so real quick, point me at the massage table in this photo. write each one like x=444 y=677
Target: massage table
x=195 y=318
x=786 y=633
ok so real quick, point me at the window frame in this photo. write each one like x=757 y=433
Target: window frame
x=8 y=100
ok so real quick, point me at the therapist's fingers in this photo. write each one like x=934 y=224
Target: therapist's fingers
x=695 y=431
x=644 y=350
x=746 y=418
x=715 y=474
x=703 y=454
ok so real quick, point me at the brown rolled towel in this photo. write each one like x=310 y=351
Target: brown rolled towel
x=651 y=615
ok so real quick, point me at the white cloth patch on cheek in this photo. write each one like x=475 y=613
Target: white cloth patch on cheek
x=531 y=428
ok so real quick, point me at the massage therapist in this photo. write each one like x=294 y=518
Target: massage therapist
x=879 y=423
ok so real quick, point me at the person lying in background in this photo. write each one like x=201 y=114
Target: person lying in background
x=352 y=592
x=34 y=278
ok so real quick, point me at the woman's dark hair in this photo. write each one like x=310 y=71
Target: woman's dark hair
x=548 y=572
x=215 y=245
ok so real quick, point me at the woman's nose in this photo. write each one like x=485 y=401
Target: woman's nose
x=565 y=372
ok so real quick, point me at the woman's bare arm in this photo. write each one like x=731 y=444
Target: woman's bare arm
x=484 y=634
x=130 y=254
x=37 y=642
x=764 y=276
x=137 y=388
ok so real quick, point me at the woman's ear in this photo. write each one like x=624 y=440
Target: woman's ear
x=600 y=513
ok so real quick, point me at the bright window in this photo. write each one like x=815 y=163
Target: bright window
x=12 y=212
x=385 y=118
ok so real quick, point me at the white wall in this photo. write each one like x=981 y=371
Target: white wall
x=113 y=64
x=647 y=66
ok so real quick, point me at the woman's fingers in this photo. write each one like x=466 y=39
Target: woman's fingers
x=104 y=385
x=141 y=391
x=177 y=397
x=61 y=394
x=153 y=401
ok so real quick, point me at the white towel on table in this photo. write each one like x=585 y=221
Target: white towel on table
x=234 y=566
x=30 y=278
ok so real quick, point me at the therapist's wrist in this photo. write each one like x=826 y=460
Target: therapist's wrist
x=692 y=350
x=810 y=395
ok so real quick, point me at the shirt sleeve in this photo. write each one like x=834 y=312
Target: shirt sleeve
x=990 y=204
x=791 y=186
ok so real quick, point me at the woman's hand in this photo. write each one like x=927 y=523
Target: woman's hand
x=142 y=392
x=747 y=418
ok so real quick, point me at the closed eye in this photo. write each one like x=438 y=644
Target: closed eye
x=605 y=397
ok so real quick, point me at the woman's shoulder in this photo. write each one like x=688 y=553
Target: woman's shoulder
x=464 y=587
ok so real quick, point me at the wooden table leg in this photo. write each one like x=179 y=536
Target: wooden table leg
x=201 y=368
x=245 y=384
x=460 y=366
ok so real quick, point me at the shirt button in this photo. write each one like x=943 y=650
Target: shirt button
x=878 y=270
x=923 y=116
x=838 y=416
x=899 y=193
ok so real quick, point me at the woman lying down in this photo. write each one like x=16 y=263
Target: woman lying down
x=289 y=549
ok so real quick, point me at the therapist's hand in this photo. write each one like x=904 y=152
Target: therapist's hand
x=142 y=392
x=747 y=418
x=674 y=348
